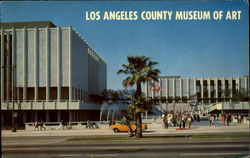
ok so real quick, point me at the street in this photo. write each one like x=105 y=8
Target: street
x=57 y=147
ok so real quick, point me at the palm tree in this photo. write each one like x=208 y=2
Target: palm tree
x=139 y=70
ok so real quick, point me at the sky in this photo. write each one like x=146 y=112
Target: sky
x=186 y=48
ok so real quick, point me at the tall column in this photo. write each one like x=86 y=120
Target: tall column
x=160 y=92
x=246 y=85
x=173 y=88
x=188 y=89
x=58 y=64
x=153 y=92
x=70 y=64
x=238 y=83
x=209 y=89
x=194 y=86
x=36 y=63
x=224 y=87
x=202 y=87
x=8 y=71
x=146 y=89
x=47 y=116
x=47 y=65
x=216 y=89
x=166 y=88
x=2 y=65
x=231 y=87
x=180 y=88
x=24 y=64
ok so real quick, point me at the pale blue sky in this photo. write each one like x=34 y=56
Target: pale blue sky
x=182 y=48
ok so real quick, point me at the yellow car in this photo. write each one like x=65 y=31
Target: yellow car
x=124 y=128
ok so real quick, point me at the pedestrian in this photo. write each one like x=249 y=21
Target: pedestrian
x=165 y=121
x=223 y=119
x=179 y=121
x=198 y=118
x=211 y=120
x=42 y=127
x=174 y=120
x=183 y=120
x=189 y=121
x=62 y=125
x=239 y=119
x=69 y=126
x=36 y=125
x=228 y=118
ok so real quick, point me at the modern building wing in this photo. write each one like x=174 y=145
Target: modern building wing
x=204 y=90
x=53 y=70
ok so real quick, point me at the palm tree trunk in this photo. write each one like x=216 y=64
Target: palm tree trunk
x=138 y=125
x=138 y=115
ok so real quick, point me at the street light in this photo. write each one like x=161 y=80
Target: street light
x=14 y=114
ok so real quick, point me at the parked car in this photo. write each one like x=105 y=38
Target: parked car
x=119 y=127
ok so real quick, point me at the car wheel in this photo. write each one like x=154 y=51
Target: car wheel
x=116 y=130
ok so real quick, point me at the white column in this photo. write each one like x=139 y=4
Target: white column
x=58 y=64
x=194 y=86
x=166 y=88
x=47 y=64
x=231 y=87
x=160 y=92
x=8 y=71
x=224 y=87
x=238 y=83
x=245 y=86
x=180 y=88
x=70 y=64
x=202 y=86
x=2 y=65
x=153 y=92
x=47 y=116
x=146 y=89
x=188 y=90
x=173 y=88
x=216 y=89
x=36 y=63
x=24 y=65
x=209 y=88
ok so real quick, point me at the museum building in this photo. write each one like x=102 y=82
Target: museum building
x=204 y=90
x=52 y=71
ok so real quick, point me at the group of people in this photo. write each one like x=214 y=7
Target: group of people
x=179 y=120
x=65 y=125
x=40 y=123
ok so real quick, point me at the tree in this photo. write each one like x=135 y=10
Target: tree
x=139 y=70
x=240 y=95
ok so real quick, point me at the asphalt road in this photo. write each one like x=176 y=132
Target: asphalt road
x=58 y=147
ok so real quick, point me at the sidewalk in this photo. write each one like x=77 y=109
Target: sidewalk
x=154 y=128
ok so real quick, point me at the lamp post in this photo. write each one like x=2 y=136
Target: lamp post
x=14 y=114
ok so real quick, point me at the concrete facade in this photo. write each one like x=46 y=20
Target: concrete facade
x=203 y=90
x=53 y=69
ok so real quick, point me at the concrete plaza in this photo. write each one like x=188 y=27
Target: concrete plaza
x=155 y=128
